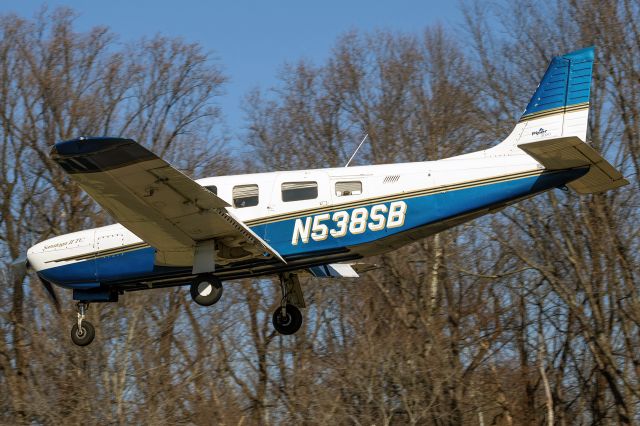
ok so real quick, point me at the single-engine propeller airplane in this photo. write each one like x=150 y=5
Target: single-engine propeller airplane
x=175 y=231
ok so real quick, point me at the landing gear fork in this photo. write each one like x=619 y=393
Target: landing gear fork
x=83 y=332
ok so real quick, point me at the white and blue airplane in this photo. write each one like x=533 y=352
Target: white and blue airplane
x=174 y=231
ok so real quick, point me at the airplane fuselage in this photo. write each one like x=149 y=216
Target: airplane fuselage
x=312 y=217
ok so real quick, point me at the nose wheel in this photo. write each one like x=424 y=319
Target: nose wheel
x=206 y=290
x=83 y=332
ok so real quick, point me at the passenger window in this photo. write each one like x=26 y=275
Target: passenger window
x=245 y=196
x=296 y=191
x=348 y=188
x=212 y=188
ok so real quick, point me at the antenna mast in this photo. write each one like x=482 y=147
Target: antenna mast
x=356 y=151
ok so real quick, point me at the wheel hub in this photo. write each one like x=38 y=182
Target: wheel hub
x=284 y=319
x=205 y=289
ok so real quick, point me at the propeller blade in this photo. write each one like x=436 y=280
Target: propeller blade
x=51 y=292
x=21 y=265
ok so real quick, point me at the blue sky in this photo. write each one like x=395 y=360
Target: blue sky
x=252 y=39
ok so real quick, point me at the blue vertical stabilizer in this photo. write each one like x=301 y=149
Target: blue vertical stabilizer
x=566 y=82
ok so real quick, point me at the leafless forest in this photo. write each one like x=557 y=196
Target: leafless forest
x=528 y=316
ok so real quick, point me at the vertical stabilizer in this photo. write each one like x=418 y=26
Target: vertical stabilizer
x=560 y=105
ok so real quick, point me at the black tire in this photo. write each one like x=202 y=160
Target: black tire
x=289 y=323
x=206 y=291
x=85 y=336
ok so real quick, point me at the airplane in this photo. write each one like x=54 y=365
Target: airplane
x=175 y=231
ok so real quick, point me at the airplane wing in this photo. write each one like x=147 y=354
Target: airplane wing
x=186 y=223
x=569 y=152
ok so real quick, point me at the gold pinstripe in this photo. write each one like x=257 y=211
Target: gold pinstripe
x=554 y=111
x=103 y=253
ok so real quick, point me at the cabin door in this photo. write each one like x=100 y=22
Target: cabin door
x=294 y=195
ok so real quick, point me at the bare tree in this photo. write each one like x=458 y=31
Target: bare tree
x=58 y=84
x=527 y=316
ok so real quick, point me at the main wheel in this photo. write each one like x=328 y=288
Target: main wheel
x=84 y=335
x=288 y=323
x=206 y=291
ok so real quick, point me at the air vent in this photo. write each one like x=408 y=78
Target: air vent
x=391 y=179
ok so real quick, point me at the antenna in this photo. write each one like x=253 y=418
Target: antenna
x=356 y=151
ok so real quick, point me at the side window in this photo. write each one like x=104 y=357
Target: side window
x=245 y=196
x=296 y=191
x=212 y=188
x=348 y=188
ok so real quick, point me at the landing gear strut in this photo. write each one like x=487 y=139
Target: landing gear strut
x=206 y=290
x=287 y=319
x=82 y=333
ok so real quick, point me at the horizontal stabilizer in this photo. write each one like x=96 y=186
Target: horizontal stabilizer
x=570 y=152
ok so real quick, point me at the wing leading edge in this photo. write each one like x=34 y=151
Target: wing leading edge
x=158 y=203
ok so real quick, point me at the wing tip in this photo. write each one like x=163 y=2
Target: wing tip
x=88 y=145
x=98 y=154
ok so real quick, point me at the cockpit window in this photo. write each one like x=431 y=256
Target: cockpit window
x=212 y=188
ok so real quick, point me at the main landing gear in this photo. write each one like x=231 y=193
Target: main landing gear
x=206 y=290
x=287 y=319
x=82 y=333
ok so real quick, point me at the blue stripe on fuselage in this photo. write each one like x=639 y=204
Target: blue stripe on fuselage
x=421 y=210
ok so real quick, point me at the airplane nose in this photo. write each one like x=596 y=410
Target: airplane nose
x=33 y=260
x=29 y=254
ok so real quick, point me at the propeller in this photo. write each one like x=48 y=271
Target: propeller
x=21 y=266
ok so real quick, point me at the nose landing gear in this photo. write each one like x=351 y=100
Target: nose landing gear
x=83 y=332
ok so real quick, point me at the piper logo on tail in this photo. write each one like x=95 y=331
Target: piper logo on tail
x=340 y=223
